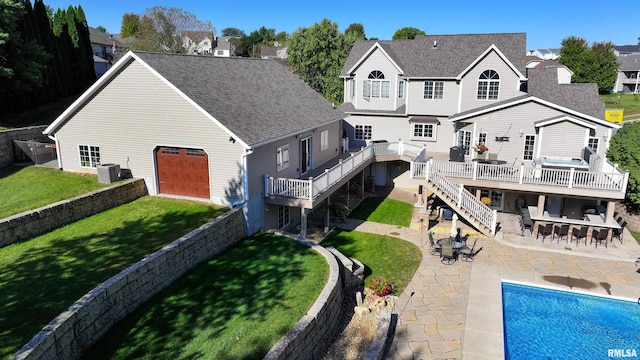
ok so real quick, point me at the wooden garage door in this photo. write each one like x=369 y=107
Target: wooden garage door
x=183 y=172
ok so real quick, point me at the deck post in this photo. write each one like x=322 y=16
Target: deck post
x=475 y=170
x=460 y=190
x=494 y=222
x=521 y=173
x=611 y=208
x=541 y=199
x=411 y=167
x=327 y=215
x=326 y=174
x=572 y=173
x=400 y=147
x=310 y=188
x=303 y=222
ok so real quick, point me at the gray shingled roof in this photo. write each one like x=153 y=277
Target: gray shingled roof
x=451 y=55
x=350 y=108
x=258 y=100
x=629 y=63
x=98 y=37
x=543 y=83
x=628 y=49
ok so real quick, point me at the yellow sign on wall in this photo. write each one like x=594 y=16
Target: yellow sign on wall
x=614 y=115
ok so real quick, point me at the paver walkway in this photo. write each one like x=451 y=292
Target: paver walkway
x=432 y=310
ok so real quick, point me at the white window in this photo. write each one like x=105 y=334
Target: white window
x=352 y=88
x=220 y=52
x=324 y=140
x=488 y=85
x=529 y=145
x=433 y=90
x=593 y=144
x=363 y=132
x=401 y=89
x=464 y=140
x=89 y=155
x=423 y=131
x=284 y=217
x=282 y=157
x=482 y=138
x=375 y=86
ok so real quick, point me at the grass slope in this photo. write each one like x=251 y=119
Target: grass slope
x=384 y=210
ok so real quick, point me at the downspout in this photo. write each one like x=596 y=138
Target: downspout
x=55 y=139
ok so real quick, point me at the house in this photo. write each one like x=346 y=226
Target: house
x=162 y=118
x=564 y=73
x=277 y=51
x=223 y=48
x=495 y=135
x=106 y=47
x=625 y=50
x=545 y=54
x=628 y=80
x=198 y=42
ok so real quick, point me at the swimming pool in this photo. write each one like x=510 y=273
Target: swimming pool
x=541 y=323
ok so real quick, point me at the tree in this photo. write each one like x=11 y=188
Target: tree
x=161 y=29
x=233 y=32
x=101 y=28
x=317 y=55
x=596 y=64
x=356 y=30
x=407 y=33
x=624 y=149
x=130 y=25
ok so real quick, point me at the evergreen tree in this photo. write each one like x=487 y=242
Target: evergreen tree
x=130 y=25
x=85 y=48
x=54 y=66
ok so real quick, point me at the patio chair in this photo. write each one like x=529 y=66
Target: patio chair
x=617 y=233
x=435 y=247
x=600 y=236
x=467 y=252
x=561 y=231
x=472 y=255
x=544 y=229
x=448 y=255
x=447 y=214
x=580 y=234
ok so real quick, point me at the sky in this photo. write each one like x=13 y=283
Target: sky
x=546 y=22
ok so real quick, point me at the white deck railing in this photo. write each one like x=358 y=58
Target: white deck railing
x=612 y=180
x=313 y=187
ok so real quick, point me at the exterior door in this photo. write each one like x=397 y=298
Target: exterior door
x=183 y=172
x=305 y=155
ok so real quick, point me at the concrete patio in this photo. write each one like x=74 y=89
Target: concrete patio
x=455 y=311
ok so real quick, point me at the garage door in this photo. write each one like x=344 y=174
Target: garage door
x=183 y=171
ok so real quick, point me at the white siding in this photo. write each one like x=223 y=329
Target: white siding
x=446 y=106
x=137 y=112
x=377 y=61
x=509 y=82
x=563 y=139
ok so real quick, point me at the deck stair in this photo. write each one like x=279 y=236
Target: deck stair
x=479 y=215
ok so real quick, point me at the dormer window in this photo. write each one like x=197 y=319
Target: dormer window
x=488 y=85
x=375 y=86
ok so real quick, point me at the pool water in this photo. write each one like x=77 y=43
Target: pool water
x=550 y=324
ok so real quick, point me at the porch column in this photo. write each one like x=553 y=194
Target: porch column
x=303 y=222
x=478 y=194
x=541 y=199
x=327 y=215
x=611 y=206
x=362 y=185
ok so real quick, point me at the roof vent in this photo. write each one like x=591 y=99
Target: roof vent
x=435 y=44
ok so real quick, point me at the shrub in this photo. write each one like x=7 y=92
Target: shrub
x=381 y=287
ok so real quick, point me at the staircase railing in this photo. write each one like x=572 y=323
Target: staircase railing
x=464 y=200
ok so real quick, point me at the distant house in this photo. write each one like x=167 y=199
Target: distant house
x=106 y=47
x=223 y=47
x=190 y=137
x=564 y=74
x=274 y=52
x=198 y=42
x=545 y=54
x=625 y=50
x=628 y=80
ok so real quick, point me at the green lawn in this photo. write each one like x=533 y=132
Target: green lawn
x=42 y=277
x=235 y=306
x=629 y=102
x=25 y=188
x=384 y=210
x=384 y=256
x=636 y=235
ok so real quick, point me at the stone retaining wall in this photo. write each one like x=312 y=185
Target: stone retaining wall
x=74 y=330
x=313 y=334
x=36 y=222
x=623 y=215
x=26 y=133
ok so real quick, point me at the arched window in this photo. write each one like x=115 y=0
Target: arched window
x=375 y=86
x=488 y=85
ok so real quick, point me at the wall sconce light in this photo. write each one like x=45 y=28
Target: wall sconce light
x=232 y=140
x=604 y=138
x=521 y=133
